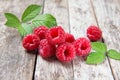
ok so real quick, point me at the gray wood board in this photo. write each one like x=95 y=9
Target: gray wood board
x=15 y=62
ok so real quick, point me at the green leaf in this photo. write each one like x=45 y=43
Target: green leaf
x=21 y=31
x=12 y=20
x=95 y=58
x=31 y=12
x=44 y=20
x=25 y=29
x=113 y=54
x=44 y=17
x=99 y=47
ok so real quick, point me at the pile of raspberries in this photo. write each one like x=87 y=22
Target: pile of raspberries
x=55 y=42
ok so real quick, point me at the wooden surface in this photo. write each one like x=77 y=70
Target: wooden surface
x=109 y=22
x=53 y=69
x=75 y=16
x=83 y=18
x=15 y=63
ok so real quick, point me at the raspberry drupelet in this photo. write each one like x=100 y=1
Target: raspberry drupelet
x=94 y=33
x=82 y=46
x=40 y=31
x=46 y=50
x=31 y=42
x=69 y=38
x=65 y=52
x=55 y=35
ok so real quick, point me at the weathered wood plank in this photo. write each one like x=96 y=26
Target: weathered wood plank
x=53 y=69
x=15 y=63
x=82 y=16
x=108 y=15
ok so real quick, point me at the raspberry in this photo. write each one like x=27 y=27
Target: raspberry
x=65 y=52
x=94 y=33
x=31 y=42
x=41 y=31
x=45 y=49
x=69 y=38
x=55 y=35
x=82 y=46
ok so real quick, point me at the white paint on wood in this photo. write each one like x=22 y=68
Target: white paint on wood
x=15 y=63
x=53 y=69
x=81 y=16
x=108 y=15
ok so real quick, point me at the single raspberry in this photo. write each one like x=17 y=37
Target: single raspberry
x=31 y=42
x=69 y=38
x=94 y=33
x=55 y=35
x=65 y=52
x=41 y=31
x=82 y=46
x=45 y=49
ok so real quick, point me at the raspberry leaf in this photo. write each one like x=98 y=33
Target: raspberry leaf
x=27 y=27
x=99 y=47
x=21 y=31
x=44 y=20
x=95 y=58
x=113 y=54
x=12 y=20
x=31 y=12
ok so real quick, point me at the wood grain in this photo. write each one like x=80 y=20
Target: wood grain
x=15 y=63
x=82 y=16
x=75 y=17
x=108 y=15
x=53 y=69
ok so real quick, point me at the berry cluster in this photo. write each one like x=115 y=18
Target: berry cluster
x=56 y=42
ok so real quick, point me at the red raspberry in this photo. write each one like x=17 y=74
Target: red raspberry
x=65 y=52
x=41 y=31
x=82 y=46
x=31 y=42
x=94 y=33
x=55 y=35
x=45 y=49
x=69 y=38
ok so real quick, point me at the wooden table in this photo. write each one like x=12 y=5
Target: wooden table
x=75 y=16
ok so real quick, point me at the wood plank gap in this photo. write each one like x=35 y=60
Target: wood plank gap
x=36 y=52
x=70 y=32
x=73 y=69
x=94 y=14
x=53 y=69
x=68 y=17
x=43 y=6
x=102 y=37
x=33 y=77
x=111 y=68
